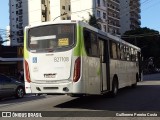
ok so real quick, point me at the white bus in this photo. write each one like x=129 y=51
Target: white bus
x=71 y=57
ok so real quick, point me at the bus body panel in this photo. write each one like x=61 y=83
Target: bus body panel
x=125 y=70
x=48 y=67
x=91 y=75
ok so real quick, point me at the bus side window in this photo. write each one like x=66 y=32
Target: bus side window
x=121 y=52
x=91 y=43
x=113 y=50
x=94 y=45
x=128 y=53
x=136 y=52
x=118 y=51
x=133 y=58
x=87 y=41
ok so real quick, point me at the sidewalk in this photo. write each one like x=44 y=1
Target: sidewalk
x=150 y=77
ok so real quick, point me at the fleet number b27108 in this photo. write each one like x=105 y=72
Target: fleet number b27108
x=61 y=59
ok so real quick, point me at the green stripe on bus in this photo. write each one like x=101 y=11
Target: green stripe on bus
x=80 y=48
x=98 y=71
x=26 y=55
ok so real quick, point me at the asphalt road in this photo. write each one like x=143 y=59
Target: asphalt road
x=145 y=98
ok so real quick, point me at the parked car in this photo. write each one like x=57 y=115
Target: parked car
x=10 y=86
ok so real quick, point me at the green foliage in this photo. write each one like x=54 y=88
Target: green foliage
x=138 y=31
x=147 y=39
x=93 y=21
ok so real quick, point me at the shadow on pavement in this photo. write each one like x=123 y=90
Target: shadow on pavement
x=30 y=97
x=142 y=98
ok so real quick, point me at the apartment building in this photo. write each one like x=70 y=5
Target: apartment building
x=106 y=11
x=60 y=10
x=129 y=15
x=109 y=14
x=23 y=13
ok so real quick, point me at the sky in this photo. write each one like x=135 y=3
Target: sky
x=150 y=15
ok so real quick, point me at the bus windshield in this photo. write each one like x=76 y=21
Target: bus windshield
x=51 y=37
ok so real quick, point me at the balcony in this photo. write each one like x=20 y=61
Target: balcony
x=115 y=1
x=135 y=10
x=20 y=33
x=113 y=8
x=113 y=16
x=20 y=12
x=19 y=5
x=115 y=25
x=134 y=4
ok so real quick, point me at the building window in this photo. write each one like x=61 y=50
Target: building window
x=20 y=18
x=69 y=8
x=99 y=26
x=104 y=3
x=98 y=2
x=43 y=1
x=104 y=15
x=20 y=40
x=20 y=12
x=68 y=18
x=20 y=25
x=98 y=13
x=105 y=28
x=63 y=7
x=16 y=12
x=113 y=50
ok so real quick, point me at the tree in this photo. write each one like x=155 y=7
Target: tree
x=93 y=21
x=2 y=41
x=147 y=39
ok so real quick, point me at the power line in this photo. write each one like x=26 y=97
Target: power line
x=152 y=6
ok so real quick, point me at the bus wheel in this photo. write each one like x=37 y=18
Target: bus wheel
x=114 y=87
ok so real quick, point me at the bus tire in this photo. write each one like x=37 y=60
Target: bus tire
x=114 y=87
